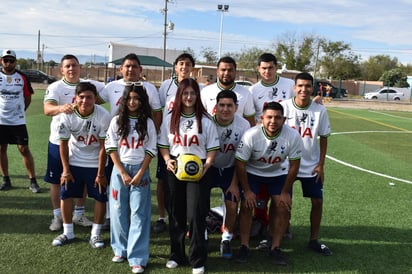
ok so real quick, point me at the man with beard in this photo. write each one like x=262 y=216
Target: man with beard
x=226 y=74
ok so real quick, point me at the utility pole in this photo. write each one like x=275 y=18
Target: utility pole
x=164 y=38
x=39 y=56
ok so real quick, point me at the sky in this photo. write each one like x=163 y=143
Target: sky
x=86 y=27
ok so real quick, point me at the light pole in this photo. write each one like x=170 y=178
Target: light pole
x=222 y=9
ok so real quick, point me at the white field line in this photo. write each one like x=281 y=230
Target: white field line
x=390 y=115
x=367 y=170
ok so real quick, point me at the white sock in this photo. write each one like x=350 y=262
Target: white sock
x=79 y=210
x=96 y=228
x=68 y=230
x=57 y=212
x=226 y=236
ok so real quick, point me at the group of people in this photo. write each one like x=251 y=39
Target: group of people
x=253 y=144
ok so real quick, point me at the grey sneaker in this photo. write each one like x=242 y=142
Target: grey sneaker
x=96 y=242
x=82 y=220
x=34 y=187
x=56 y=223
x=61 y=240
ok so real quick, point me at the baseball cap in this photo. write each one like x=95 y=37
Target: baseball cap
x=8 y=52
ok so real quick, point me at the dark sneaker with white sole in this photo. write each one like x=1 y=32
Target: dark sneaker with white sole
x=316 y=246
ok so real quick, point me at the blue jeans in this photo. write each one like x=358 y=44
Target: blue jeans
x=130 y=211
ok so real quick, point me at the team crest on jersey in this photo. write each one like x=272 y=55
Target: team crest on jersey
x=226 y=134
x=274 y=92
x=273 y=146
x=188 y=125
x=303 y=118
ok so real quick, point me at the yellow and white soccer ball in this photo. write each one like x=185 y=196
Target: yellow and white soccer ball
x=189 y=167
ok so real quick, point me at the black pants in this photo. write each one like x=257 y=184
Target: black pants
x=188 y=204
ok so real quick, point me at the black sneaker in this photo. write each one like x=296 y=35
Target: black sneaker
x=243 y=254
x=264 y=245
x=226 y=250
x=316 y=246
x=277 y=257
x=34 y=187
x=159 y=226
x=288 y=235
x=6 y=185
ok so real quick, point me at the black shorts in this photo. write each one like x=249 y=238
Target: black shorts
x=14 y=135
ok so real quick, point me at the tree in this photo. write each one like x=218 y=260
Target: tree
x=191 y=52
x=394 y=78
x=26 y=63
x=296 y=53
x=375 y=66
x=209 y=55
x=338 y=61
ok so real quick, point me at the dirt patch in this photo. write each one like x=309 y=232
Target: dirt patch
x=369 y=104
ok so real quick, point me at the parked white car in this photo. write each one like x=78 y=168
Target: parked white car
x=389 y=93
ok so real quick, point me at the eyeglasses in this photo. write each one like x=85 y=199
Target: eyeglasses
x=9 y=60
x=137 y=84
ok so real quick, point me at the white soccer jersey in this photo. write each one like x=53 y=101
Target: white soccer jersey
x=280 y=90
x=189 y=139
x=113 y=93
x=59 y=93
x=229 y=137
x=167 y=94
x=268 y=156
x=84 y=134
x=13 y=89
x=131 y=151
x=244 y=97
x=309 y=122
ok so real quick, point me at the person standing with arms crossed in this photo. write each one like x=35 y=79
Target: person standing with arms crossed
x=188 y=129
x=131 y=143
x=310 y=121
x=268 y=154
x=15 y=98
x=59 y=98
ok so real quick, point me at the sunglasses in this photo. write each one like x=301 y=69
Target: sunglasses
x=9 y=60
x=137 y=84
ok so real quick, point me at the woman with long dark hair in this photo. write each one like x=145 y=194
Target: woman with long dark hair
x=131 y=144
x=188 y=130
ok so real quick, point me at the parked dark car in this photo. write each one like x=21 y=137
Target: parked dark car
x=328 y=90
x=37 y=76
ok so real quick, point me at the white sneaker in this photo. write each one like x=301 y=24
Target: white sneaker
x=82 y=220
x=56 y=223
x=199 y=270
x=171 y=264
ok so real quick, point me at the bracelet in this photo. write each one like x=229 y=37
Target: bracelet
x=66 y=175
x=101 y=176
x=167 y=161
